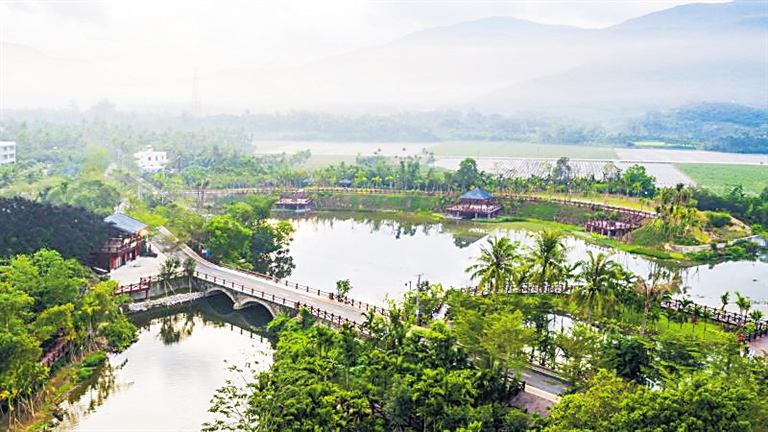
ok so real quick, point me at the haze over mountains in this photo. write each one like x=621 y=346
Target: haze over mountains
x=687 y=54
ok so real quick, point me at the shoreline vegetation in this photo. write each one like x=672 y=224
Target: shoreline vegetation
x=535 y=216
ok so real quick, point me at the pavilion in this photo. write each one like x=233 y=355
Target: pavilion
x=297 y=202
x=127 y=241
x=475 y=204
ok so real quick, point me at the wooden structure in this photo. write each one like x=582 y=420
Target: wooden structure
x=127 y=241
x=297 y=202
x=475 y=204
x=609 y=228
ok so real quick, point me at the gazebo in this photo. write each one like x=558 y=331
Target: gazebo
x=474 y=204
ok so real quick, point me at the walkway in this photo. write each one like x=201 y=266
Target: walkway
x=197 y=193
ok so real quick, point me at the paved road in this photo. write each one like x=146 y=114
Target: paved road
x=292 y=295
x=544 y=383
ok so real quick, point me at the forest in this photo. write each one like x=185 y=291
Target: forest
x=709 y=126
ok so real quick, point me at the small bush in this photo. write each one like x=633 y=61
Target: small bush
x=718 y=219
x=94 y=359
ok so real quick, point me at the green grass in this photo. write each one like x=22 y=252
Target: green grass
x=519 y=149
x=614 y=200
x=722 y=178
x=324 y=161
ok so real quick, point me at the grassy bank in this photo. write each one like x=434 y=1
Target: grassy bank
x=379 y=202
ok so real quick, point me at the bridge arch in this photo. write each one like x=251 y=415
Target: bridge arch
x=240 y=302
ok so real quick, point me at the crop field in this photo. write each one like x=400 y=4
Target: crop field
x=688 y=156
x=722 y=178
x=520 y=150
x=339 y=148
x=666 y=174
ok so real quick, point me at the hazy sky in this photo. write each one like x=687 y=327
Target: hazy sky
x=158 y=38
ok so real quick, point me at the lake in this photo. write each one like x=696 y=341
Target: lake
x=383 y=257
x=165 y=381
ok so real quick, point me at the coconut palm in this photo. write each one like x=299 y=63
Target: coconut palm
x=706 y=314
x=685 y=308
x=698 y=312
x=756 y=315
x=744 y=304
x=599 y=276
x=548 y=256
x=496 y=264
x=724 y=299
x=660 y=282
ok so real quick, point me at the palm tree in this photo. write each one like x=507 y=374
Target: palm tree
x=724 y=299
x=744 y=304
x=659 y=283
x=600 y=276
x=569 y=274
x=548 y=255
x=756 y=315
x=685 y=306
x=698 y=312
x=707 y=315
x=496 y=264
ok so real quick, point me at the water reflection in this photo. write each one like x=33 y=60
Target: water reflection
x=380 y=256
x=166 y=379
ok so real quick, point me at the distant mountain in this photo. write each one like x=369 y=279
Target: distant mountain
x=683 y=55
x=687 y=54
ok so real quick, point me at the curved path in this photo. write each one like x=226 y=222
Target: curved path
x=197 y=193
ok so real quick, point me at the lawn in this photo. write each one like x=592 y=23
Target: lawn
x=722 y=178
x=520 y=149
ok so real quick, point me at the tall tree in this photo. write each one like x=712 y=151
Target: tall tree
x=599 y=276
x=548 y=255
x=495 y=265
x=660 y=282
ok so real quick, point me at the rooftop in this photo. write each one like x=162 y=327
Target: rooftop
x=476 y=194
x=125 y=223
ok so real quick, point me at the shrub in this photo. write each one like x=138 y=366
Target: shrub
x=718 y=219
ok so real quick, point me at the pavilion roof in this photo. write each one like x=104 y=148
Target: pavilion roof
x=476 y=194
x=125 y=223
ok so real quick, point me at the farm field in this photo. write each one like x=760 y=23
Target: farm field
x=521 y=150
x=343 y=148
x=722 y=178
x=688 y=156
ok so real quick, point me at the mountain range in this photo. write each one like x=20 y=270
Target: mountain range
x=686 y=54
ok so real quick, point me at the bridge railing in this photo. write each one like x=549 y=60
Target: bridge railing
x=315 y=311
x=310 y=290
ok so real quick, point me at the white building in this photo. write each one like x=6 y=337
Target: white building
x=150 y=160
x=7 y=152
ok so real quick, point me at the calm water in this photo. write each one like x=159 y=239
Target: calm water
x=381 y=257
x=164 y=382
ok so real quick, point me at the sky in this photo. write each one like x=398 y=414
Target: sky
x=169 y=39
